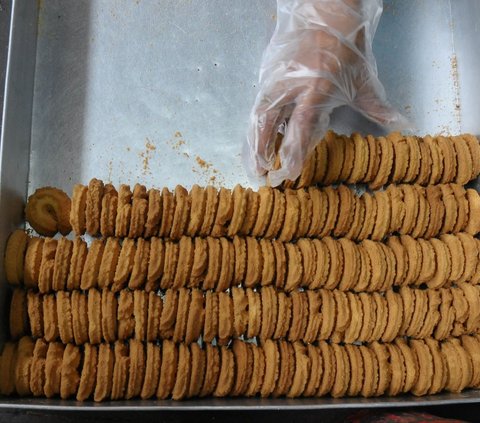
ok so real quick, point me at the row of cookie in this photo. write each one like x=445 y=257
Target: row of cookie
x=395 y=158
x=271 y=213
x=274 y=369
x=185 y=315
x=219 y=263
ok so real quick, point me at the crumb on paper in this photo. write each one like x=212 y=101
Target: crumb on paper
x=147 y=155
x=128 y=148
x=456 y=87
x=202 y=163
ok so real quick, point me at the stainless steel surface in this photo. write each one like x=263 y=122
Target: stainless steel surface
x=159 y=92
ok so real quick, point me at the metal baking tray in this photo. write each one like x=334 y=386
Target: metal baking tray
x=159 y=92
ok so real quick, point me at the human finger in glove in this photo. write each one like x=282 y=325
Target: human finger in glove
x=320 y=57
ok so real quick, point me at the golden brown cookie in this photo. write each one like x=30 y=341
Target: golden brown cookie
x=182 y=212
x=449 y=157
x=365 y=275
x=109 y=315
x=294 y=267
x=414 y=159
x=471 y=345
x=23 y=365
x=214 y=263
x=79 y=306
x=361 y=158
x=50 y=322
x=419 y=313
x=336 y=262
x=94 y=307
x=437 y=160
x=254 y=313
x=108 y=216
x=319 y=211
x=401 y=259
x=168 y=369
x=210 y=330
x=253 y=203
x=328 y=370
x=429 y=263
x=278 y=215
x=154 y=213
x=268 y=259
x=401 y=150
x=369 y=312
x=336 y=153
x=377 y=262
x=94 y=206
x=432 y=316
x=155 y=306
x=35 y=313
x=269 y=312
x=314 y=316
x=346 y=211
x=45 y=278
x=352 y=332
x=240 y=311
x=423 y=217
x=7 y=368
x=425 y=169
x=198 y=370
x=120 y=370
x=272 y=369
x=370 y=366
x=384 y=370
x=169 y=314
x=33 y=261
x=240 y=198
x=328 y=314
x=182 y=379
x=240 y=249
x=284 y=315
x=265 y=209
x=37 y=370
x=64 y=317
x=14 y=261
x=224 y=212
x=439 y=378
x=124 y=211
x=53 y=367
x=48 y=211
x=454 y=366
x=473 y=225
x=168 y=212
x=474 y=148
x=437 y=211
x=125 y=265
x=286 y=369
x=332 y=205
x=309 y=256
x=258 y=371
x=411 y=365
x=139 y=274
x=227 y=373
x=196 y=317
x=462 y=211
x=395 y=316
x=198 y=201
x=212 y=370
x=425 y=367
x=299 y=320
x=243 y=358
x=343 y=316
x=444 y=326
x=253 y=273
x=155 y=264
x=140 y=314
x=414 y=259
x=136 y=374
x=358 y=219
x=227 y=270
x=464 y=161
x=182 y=315
x=77 y=262
x=308 y=171
x=471 y=251
x=381 y=318
x=106 y=363
x=78 y=209
x=371 y=208
x=280 y=263
x=69 y=373
x=351 y=264
x=292 y=216
x=444 y=264
x=356 y=370
x=342 y=372
x=321 y=162
x=108 y=265
x=386 y=162
x=126 y=321
x=92 y=264
x=302 y=370
x=397 y=365
x=472 y=296
x=305 y=211
x=61 y=267
x=348 y=159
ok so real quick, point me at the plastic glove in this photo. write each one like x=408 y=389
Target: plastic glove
x=320 y=57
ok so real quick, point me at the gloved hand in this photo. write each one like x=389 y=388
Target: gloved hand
x=320 y=57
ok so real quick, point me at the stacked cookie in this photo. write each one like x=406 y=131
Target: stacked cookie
x=281 y=292
x=221 y=263
x=134 y=369
x=392 y=159
x=186 y=314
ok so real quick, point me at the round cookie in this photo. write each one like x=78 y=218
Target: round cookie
x=287 y=369
x=361 y=159
x=471 y=345
x=370 y=366
x=328 y=314
x=397 y=365
x=50 y=320
x=79 y=307
x=225 y=318
x=14 y=261
x=335 y=153
x=305 y=213
x=302 y=370
x=269 y=312
x=342 y=372
x=240 y=198
x=254 y=268
x=449 y=156
x=168 y=369
x=464 y=162
x=415 y=156
x=182 y=379
x=89 y=372
x=33 y=261
x=227 y=373
x=120 y=371
x=429 y=264
x=168 y=212
x=473 y=225
x=432 y=316
x=384 y=369
x=258 y=371
x=351 y=264
x=170 y=266
x=414 y=259
x=294 y=267
x=319 y=211
x=385 y=148
x=278 y=215
x=240 y=311
x=64 y=317
x=401 y=259
x=198 y=201
x=328 y=370
x=352 y=332
x=78 y=209
x=254 y=313
x=53 y=365
x=423 y=217
x=462 y=211
x=356 y=370
x=369 y=316
x=439 y=377
x=265 y=209
x=35 y=313
x=154 y=213
x=125 y=265
x=451 y=208
x=198 y=370
x=437 y=211
x=395 y=316
x=37 y=370
x=411 y=206
x=139 y=273
x=411 y=365
x=214 y=263
x=336 y=262
x=444 y=264
x=92 y=264
x=70 y=377
x=224 y=212
x=346 y=211
x=61 y=267
x=425 y=168
x=358 y=219
x=94 y=206
x=321 y=162
x=298 y=323
x=23 y=365
x=437 y=160
x=365 y=275
x=292 y=216
x=211 y=204
x=314 y=315
x=381 y=318
x=106 y=362
x=284 y=315
x=419 y=313
x=243 y=357
x=444 y=326
x=348 y=159
x=316 y=370
x=322 y=270
x=471 y=251
x=398 y=208
x=401 y=150
x=425 y=367
x=18 y=318
x=77 y=262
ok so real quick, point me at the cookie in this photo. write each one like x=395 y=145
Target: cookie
x=198 y=201
x=463 y=208
x=351 y=264
x=140 y=314
x=457 y=255
x=309 y=255
x=470 y=344
x=254 y=313
x=314 y=315
x=224 y=212
x=429 y=263
x=365 y=274
x=294 y=267
x=169 y=314
x=449 y=156
x=268 y=256
x=155 y=264
x=321 y=162
x=92 y=264
x=37 y=369
x=473 y=225
x=423 y=218
x=401 y=150
x=225 y=318
x=253 y=203
x=358 y=220
x=210 y=330
x=23 y=365
x=346 y=211
x=439 y=376
x=35 y=314
x=168 y=213
x=425 y=168
x=397 y=365
x=369 y=316
x=471 y=251
x=437 y=160
x=464 y=161
x=395 y=316
x=168 y=369
x=342 y=372
x=384 y=370
x=78 y=209
x=240 y=197
x=414 y=259
x=360 y=159
x=401 y=259
x=265 y=210
x=305 y=213
x=272 y=362
x=328 y=370
x=444 y=326
x=125 y=265
x=370 y=366
x=214 y=263
x=50 y=322
x=109 y=208
x=432 y=316
x=419 y=313
x=286 y=369
x=124 y=211
x=302 y=370
x=64 y=317
x=108 y=265
x=79 y=306
x=318 y=199
x=61 y=267
x=212 y=370
x=94 y=206
x=53 y=366
x=106 y=363
x=378 y=264
x=336 y=263
x=32 y=262
x=386 y=162
x=14 y=261
x=126 y=321
x=137 y=369
x=227 y=373
x=69 y=372
x=322 y=270
x=474 y=148
x=414 y=159
x=411 y=365
x=211 y=204
x=371 y=209
x=154 y=213
x=94 y=310
x=284 y=315
x=299 y=320
x=254 y=263
x=196 y=317
x=269 y=312
x=332 y=214
x=198 y=370
x=381 y=317
x=45 y=278
x=109 y=315
x=425 y=367
x=444 y=264
x=182 y=379
x=139 y=273
x=336 y=153
x=292 y=216
x=258 y=371
x=120 y=371
x=77 y=262
x=352 y=332
x=328 y=314
x=343 y=316
x=437 y=211
x=181 y=214
x=278 y=215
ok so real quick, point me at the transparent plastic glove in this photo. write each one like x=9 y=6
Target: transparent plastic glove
x=320 y=57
